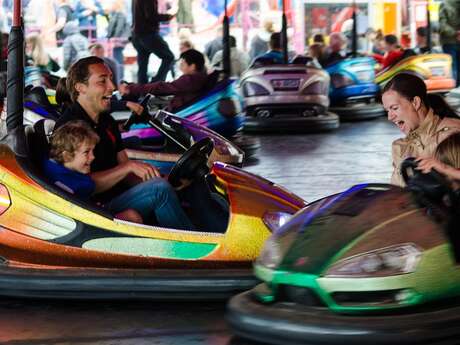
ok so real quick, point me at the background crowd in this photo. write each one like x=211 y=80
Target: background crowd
x=73 y=29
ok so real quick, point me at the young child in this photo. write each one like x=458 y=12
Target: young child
x=70 y=160
x=446 y=160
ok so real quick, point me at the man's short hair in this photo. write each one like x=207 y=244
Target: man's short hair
x=275 y=40
x=95 y=46
x=193 y=56
x=318 y=38
x=79 y=73
x=69 y=137
x=421 y=31
x=232 y=41
x=390 y=39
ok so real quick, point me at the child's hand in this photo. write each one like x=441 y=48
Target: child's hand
x=425 y=164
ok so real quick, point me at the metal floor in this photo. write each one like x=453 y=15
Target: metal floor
x=312 y=166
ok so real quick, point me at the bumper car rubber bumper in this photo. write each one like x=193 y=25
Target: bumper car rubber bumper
x=358 y=111
x=283 y=323
x=324 y=122
x=94 y=283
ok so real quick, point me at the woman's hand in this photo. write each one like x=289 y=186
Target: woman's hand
x=425 y=164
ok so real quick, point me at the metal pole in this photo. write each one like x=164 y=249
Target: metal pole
x=226 y=43
x=428 y=27
x=354 y=33
x=284 y=38
x=15 y=72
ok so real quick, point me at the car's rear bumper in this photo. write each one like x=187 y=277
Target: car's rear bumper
x=323 y=122
x=358 y=111
x=283 y=323
x=96 y=283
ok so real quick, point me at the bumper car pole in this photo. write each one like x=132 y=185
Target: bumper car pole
x=284 y=38
x=15 y=84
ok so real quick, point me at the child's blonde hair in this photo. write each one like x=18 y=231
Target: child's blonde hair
x=68 y=138
x=448 y=151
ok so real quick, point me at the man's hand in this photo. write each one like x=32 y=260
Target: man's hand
x=123 y=88
x=135 y=107
x=142 y=170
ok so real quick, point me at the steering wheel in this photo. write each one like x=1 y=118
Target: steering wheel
x=193 y=162
x=433 y=185
x=134 y=118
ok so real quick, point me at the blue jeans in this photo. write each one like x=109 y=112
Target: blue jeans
x=146 y=45
x=454 y=51
x=118 y=56
x=153 y=196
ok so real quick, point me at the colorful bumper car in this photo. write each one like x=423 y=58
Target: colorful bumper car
x=219 y=109
x=353 y=92
x=434 y=69
x=371 y=265
x=286 y=97
x=161 y=140
x=54 y=244
x=453 y=98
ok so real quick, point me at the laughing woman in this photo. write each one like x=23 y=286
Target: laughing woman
x=426 y=120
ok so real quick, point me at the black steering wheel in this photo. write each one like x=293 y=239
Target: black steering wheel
x=134 y=118
x=193 y=162
x=432 y=185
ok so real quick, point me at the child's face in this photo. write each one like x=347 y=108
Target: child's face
x=82 y=159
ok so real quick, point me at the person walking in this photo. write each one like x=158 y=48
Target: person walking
x=449 y=30
x=118 y=32
x=146 y=39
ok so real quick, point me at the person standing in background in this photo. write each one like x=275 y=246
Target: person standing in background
x=86 y=12
x=64 y=14
x=75 y=45
x=118 y=32
x=449 y=30
x=146 y=39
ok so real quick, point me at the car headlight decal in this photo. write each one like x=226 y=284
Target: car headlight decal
x=275 y=220
x=393 y=260
x=270 y=256
x=340 y=80
x=5 y=200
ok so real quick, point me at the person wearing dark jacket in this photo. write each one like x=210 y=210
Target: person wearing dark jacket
x=187 y=87
x=118 y=32
x=146 y=39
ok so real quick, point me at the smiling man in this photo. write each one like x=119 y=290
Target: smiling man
x=89 y=82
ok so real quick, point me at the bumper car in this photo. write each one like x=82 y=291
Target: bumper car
x=54 y=245
x=286 y=97
x=353 y=92
x=371 y=265
x=453 y=98
x=434 y=69
x=219 y=109
x=161 y=140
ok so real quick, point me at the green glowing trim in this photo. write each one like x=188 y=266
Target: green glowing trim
x=165 y=249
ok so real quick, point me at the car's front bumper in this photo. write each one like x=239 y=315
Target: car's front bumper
x=95 y=283
x=290 y=323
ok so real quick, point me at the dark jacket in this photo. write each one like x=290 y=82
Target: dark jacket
x=118 y=26
x=449 y=21
x=146 y=18
x=185 y=89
